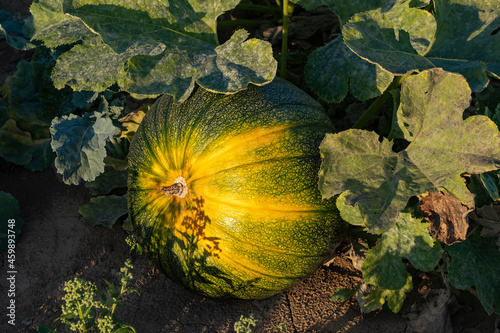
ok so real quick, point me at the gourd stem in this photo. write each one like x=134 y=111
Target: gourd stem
x=174 y=189
x=284 y=41
x=377 y=104
x=178 y=188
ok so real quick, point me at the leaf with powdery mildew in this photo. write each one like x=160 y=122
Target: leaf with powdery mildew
x=332 y=68
x=371 y=298
x=463 y=39
x=79 y=143
x=381 y=181
x=150 y=47
x=410 y=239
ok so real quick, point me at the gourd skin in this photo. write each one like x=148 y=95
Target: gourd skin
x=253 y=222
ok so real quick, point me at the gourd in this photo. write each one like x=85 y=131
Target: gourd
x=223 y=190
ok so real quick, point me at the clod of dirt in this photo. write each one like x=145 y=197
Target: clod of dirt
x=447 y=216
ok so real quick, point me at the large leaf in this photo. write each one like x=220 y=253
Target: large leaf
x=463 y=39
x=79 y=143
x=16 y=33
x=331 y=68
x=32 y=99
x=18 y=147
x=10 y=221
x=151 y=47
x=442 y=147
x=104 y=210
x=476 y=262
x=410 y=239
x=108 y=181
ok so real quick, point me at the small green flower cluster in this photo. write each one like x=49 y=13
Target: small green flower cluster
x=243 y=325
x=125 y=275
x=80 y=302
x=105 y=324
x=134 y=245
x=85 y=309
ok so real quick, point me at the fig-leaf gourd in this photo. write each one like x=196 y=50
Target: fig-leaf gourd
x=223 y=190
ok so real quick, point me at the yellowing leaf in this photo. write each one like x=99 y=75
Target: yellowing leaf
x=131 y=121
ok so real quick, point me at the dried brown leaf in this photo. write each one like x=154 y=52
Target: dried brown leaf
x=447 y=216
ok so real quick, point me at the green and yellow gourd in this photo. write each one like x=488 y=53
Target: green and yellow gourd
x=223 y=190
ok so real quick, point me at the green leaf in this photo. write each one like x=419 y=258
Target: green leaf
x=16 y=33
x=331 y=68
x=410 y=239
x=381 y=181
x=412 y=39
x=108 y=181
x=375 y=297
x=10 y=221
x=476 y=262
x=151 y=47
x=33 y=100
x=79 y=143
x=488 y=102
x=104 y=210
x=17 y=146
x=342 y=294
x=350 y=214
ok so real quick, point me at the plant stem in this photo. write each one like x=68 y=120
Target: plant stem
x=284 y=41
x=377 y=104
x=80 y=313
x=115 y=142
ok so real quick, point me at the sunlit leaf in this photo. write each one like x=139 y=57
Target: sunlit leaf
x=150 y=48
x=381 y=181
x=461 y=38
x=410 y=239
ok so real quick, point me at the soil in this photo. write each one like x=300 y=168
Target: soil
x=55 y=246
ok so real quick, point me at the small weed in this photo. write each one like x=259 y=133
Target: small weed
x=134 y=245
x=243 y=325
x=282 y=327
x=85 y=309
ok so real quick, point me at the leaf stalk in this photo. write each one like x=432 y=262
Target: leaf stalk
x=284 y=41
x=374 y=108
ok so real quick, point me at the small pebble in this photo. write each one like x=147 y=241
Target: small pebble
x=27 y=321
